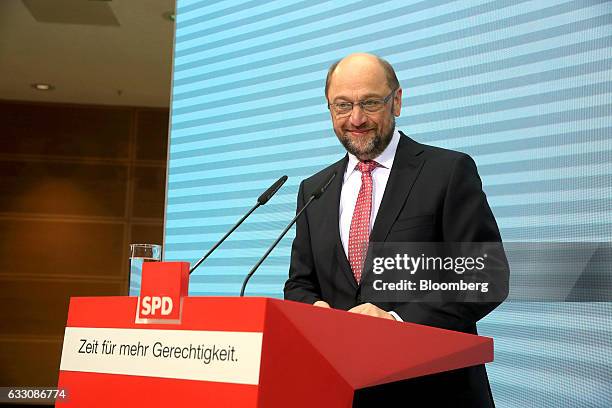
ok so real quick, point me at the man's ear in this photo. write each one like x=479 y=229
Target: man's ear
x=397 y=102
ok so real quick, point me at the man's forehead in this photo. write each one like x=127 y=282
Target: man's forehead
x=362 y=75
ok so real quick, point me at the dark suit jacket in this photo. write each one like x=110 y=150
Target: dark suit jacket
x=432 y=195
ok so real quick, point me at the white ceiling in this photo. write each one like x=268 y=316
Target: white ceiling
x=86 y=56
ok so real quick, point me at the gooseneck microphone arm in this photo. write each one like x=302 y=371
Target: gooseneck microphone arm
x=227 y=234
x=317 y=193
x=260 y=201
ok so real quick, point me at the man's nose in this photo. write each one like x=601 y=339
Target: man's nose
x=357 y=116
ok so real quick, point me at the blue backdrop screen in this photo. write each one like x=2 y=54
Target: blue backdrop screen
x=522 y=86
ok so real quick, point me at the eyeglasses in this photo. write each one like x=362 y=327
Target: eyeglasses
x=371 y=105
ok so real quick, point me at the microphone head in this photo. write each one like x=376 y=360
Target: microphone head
x=267 y=195
x=321 y=189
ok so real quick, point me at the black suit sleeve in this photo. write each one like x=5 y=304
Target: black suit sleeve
x=302 y=285
x=466 y=217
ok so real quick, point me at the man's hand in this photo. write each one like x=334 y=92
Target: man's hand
x=371 y=310
x=321 y=303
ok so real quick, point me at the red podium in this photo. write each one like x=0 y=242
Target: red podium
x=283 y=351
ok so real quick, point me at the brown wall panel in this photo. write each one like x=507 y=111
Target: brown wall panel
x=59 y=130
x=41 y=307
x=80 y=249
x=147 y=234
x=152 y=135
x=63 y=188
x=149 y=192
x=75 y=185
x=29 y=363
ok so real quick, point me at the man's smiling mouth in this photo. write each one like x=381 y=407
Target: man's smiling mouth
x=359 y=131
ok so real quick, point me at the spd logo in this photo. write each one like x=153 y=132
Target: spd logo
x=155 y=306
x=163 y=286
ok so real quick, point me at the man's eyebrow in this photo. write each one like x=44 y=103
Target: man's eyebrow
x=371 y=95
x=366 y=96
x=340 y=98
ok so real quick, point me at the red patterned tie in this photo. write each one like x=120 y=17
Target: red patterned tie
x=359 y=234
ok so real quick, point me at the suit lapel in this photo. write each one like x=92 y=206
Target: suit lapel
x=406 y=167
x=334 y=192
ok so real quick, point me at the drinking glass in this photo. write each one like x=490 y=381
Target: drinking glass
x=139 y=254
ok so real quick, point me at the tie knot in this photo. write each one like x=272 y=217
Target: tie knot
x=367 y=166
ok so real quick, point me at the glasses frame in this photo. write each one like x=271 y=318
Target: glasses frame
x=360 y=103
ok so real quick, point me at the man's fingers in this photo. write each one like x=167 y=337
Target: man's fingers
x=371 y=310
x=358 y=308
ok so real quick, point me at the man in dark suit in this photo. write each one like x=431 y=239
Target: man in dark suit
x=388 y=188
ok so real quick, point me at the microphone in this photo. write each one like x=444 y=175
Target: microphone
x=260 y=201
x=266 y=195
x=314 y=196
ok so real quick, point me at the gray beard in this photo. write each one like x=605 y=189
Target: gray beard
x=374 y=148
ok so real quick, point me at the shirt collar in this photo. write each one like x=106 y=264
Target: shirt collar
x=385 y=159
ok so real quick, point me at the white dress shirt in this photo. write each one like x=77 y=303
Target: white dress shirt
x=352 y=183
